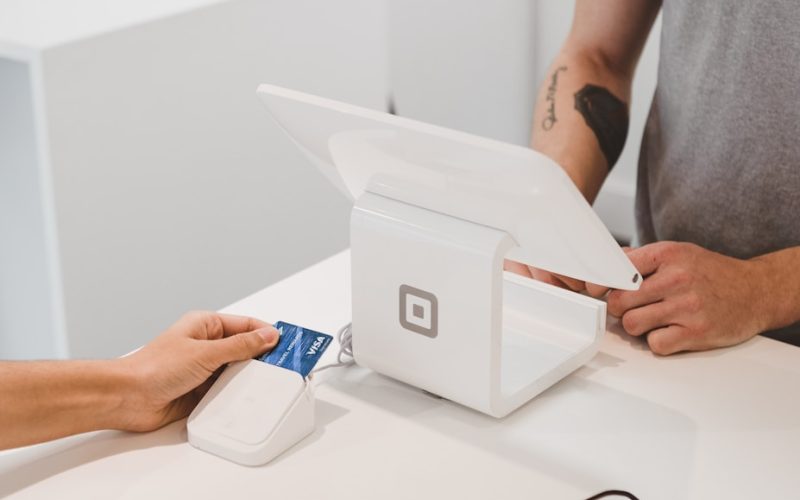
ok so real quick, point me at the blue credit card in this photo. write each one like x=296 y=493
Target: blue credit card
x=298 y=348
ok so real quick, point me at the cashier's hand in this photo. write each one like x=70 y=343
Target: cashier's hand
x=171 y=374
x=545 y=276
x=558 y=280
x=691 y=298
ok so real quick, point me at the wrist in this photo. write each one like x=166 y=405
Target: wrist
x=756 y=301
x=120 y=391
x=764 y=298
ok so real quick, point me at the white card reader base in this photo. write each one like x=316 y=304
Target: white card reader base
x=254 y=412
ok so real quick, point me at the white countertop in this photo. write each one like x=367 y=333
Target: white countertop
x=719 y=424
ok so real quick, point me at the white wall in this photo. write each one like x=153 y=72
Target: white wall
x=25 y=277
x=190 y=196
x=173 y=188
x=464 y=64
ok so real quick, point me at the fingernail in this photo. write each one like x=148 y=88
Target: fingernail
x=270 y=335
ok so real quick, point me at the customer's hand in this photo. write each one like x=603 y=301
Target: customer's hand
x=691 y=298
x=169 y=376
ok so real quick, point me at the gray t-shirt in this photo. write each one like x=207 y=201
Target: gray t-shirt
x=720 y=158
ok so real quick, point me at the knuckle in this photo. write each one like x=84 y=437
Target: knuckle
x=673 y=250
x=682 y=278
x=209 y=320
x=214 y=327
x=665 y=249
x=702 y=326
x=573 y=284
x=194 y=315
x=675 y=275
x=672 y=280
x=680 y=247
x=694 y=303
x=630 y=323
x=246 y=342
x=658 y=345
x=688 y=247
x=614 y=304
x=595 y=291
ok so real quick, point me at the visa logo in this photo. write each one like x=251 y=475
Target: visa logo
x=315 y=346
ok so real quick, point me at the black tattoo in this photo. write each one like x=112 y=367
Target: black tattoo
x=607 y=116
x=550 y=119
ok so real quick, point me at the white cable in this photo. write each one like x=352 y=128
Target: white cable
x=345 y=338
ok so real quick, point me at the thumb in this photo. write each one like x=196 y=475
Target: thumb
x=242 y=346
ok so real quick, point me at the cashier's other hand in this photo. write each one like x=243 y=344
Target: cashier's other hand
x=544 y=276
x=170 y=375
x=558 y=280
x=691 y=298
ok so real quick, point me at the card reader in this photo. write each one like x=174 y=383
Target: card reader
x=253 y=413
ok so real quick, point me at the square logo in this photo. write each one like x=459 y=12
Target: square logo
x=419 y=311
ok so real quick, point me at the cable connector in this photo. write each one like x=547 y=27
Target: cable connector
x=345 y=338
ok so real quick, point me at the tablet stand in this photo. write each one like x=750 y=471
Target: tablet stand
x=436 y=212
x=433 y=308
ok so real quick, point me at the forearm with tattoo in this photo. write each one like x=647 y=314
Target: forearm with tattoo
x=607 y=116
x=582 y=125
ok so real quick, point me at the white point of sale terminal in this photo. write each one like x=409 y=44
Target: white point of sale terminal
x=435 y=214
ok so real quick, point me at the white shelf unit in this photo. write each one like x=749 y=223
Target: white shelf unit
x=140 y=177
